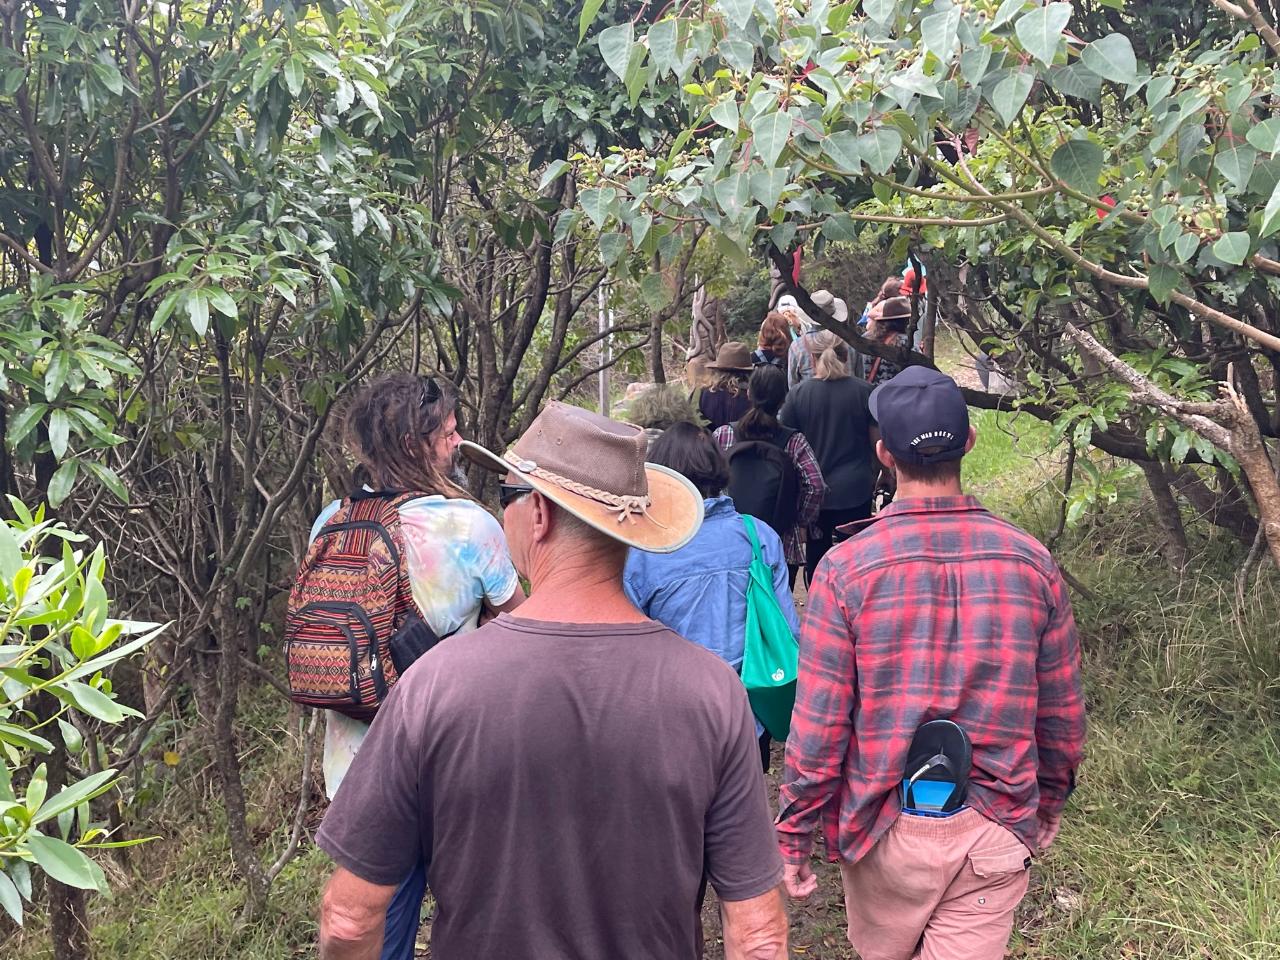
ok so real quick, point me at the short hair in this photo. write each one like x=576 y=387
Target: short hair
x=890 y=288
x=691 y=452
x=598 y=543
x=929 y=474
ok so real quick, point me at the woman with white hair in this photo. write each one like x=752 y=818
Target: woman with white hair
x=832 y=411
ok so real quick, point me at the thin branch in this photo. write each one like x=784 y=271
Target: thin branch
x=304 y=799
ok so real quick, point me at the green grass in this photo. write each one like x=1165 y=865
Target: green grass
x=1169 y=850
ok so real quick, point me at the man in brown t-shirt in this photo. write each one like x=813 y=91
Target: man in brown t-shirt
x=572 y=774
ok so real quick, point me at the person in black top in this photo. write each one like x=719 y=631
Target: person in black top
x=726 y=399
x=832 y=411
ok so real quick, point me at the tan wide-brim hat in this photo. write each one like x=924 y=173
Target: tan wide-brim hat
x=594 y=468
x=733 y=357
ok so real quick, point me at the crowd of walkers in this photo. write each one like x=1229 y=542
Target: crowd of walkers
x=543 y=721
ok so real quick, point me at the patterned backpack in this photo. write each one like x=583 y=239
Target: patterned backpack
x=352 y=627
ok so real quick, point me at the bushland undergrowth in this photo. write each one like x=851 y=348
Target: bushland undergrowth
x=1170 y=847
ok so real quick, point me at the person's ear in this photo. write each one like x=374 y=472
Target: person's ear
x=973 y=439
x=543 y=517
x=883 y=455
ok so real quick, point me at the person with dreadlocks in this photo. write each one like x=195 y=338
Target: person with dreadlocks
x=402 y=431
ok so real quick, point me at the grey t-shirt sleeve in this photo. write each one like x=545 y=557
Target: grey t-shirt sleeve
x=741 y=850
x=374 y=827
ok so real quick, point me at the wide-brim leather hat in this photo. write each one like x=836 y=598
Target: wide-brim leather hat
x=595 y=468
x=733 y=356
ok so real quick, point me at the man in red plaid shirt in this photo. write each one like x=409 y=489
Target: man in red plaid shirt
x=936 y=609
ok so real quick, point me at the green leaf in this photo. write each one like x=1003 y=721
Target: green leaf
x=615 y=46
x=653 y=289
x=1010 y=94
x=1078 y=164
x=293 y=75
x=1265 y=136
x=881 y=11
x=1040 y=30
x=198 y=312
x=65 y=863
x=70 y=797
x=9 y=899
x=664 y=48
x=1111 y=57
x=10 y=553
x=612 y=245
x=1161 y=281
x=725 y=113
x=637 y=77
x=770 y=131
x=59 y=432
x=1236 y=164
x=767 y=185
x=62 y=481
x=732 y=193
x=840 y=228
x=553 y=171
x=1006 y=12
x=587 y=17
x=24 y=421
x=109 y=479
x=1185 y=247
x=222 y=301
x=596 y=203
x=1271 y=212
x=737 y=11
x=23 y=739
x=880 y=148
x=56 y=375
x=92 y=701
x=1232 y=247
x=939 y=32
x=71 y=737
x=842 y=148
x=737 y=53
x=974 y=63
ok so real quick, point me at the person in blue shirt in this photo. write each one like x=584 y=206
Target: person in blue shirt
x=700 y=590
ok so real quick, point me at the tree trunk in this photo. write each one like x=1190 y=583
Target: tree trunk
x=1167 y=512
x=657 y=364
x=222 y=682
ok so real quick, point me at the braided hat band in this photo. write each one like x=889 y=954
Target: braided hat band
x=627 y=506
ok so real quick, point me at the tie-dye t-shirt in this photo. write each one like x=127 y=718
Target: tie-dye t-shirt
x=457 y=557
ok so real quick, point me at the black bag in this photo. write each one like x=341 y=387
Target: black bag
x=763 y=481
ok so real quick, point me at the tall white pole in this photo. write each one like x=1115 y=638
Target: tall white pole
x=604 y=319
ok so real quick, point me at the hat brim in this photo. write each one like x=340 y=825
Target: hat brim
x=673 y=518
x=714 y=366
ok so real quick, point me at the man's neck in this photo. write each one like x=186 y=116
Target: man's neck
x=907 y=490
x=579 y=591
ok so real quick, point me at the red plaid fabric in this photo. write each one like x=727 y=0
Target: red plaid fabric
x=938 y=609
x=812 y=490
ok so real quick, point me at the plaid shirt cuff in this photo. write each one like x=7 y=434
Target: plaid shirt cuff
x=795 y=848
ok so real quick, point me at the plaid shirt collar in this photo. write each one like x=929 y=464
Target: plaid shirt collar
x=914 y=506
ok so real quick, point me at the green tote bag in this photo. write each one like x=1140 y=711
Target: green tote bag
x=770 y=656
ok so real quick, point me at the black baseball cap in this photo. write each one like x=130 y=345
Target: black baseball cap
x=921 y=409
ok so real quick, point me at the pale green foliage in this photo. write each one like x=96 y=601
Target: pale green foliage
x=56 y=638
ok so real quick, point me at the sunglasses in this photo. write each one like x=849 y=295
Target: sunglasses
x=509 y=493
x=430 y=391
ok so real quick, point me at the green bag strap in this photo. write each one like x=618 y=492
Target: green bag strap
x=750 y=524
